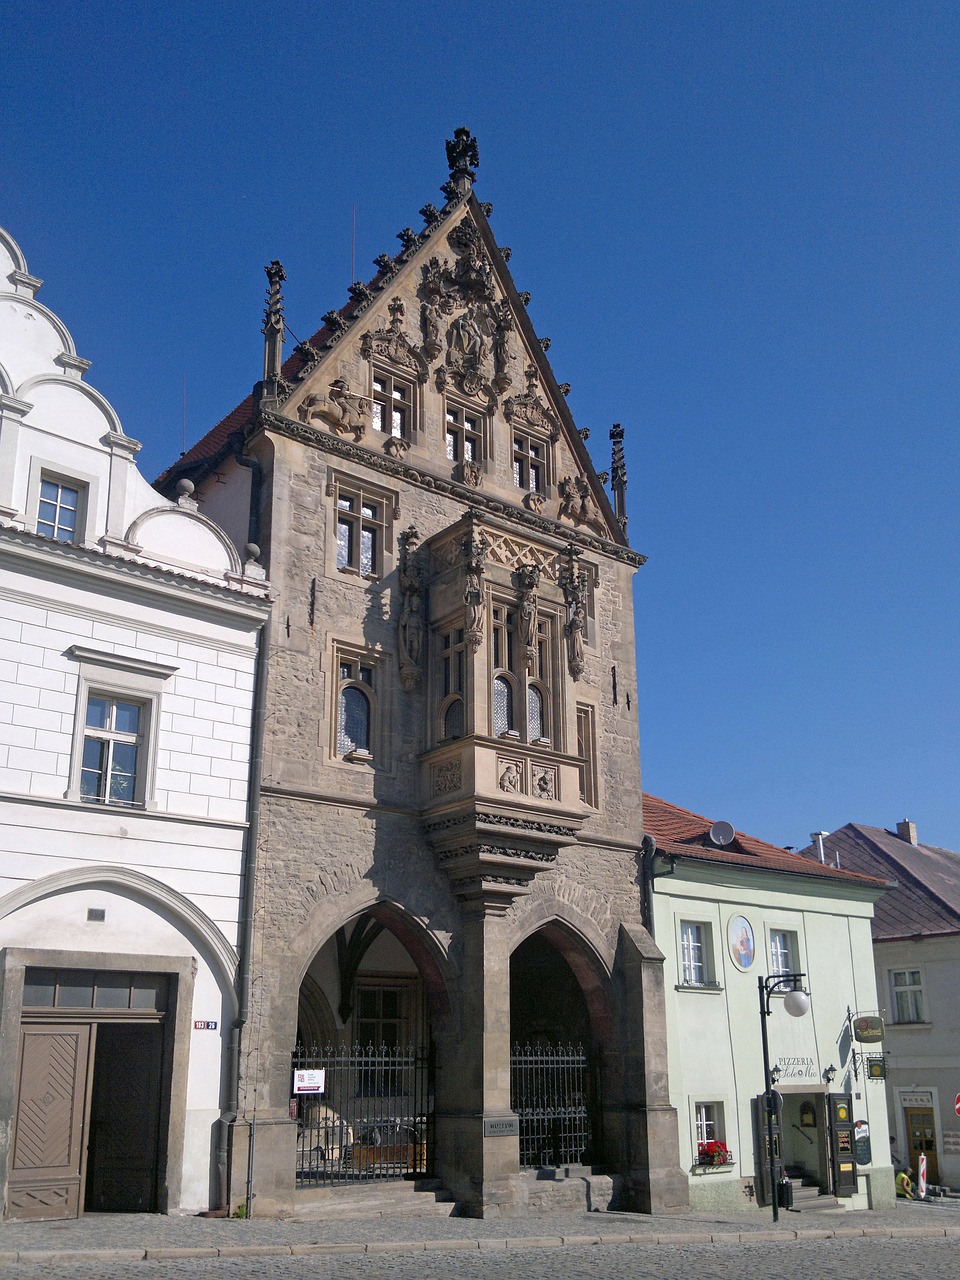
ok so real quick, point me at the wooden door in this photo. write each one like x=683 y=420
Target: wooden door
x=922 y=1137
x=48 y=1146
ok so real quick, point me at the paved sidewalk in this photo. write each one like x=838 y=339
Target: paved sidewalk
x=135 y=1237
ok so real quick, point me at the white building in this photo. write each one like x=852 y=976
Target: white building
x=728 y=910
x=916 y=949
x=129 y=637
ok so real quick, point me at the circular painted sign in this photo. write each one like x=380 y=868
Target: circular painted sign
x=956 y=1105
x=740 y=941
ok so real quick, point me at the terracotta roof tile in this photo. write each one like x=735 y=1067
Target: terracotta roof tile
x=682 y=832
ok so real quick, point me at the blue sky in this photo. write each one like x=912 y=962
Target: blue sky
x=739 y=225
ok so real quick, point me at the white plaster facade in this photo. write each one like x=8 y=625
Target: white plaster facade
x=923 y=1068
x=114 y=602
x=713 y=1027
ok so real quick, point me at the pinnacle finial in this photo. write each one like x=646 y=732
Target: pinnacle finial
x=273 y=327
x=463 y=157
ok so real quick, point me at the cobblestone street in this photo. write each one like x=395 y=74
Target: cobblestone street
x=909 y=1241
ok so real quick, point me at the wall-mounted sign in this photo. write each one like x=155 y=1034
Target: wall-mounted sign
x=797 y=1068
x=309 y=1081
x=507 y=1127
x=200 y=1025
x=868 y=1030
x=876 y=1066
x=740 y=941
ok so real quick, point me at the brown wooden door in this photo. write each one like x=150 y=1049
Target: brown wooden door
x=48 y=1146
x=922 y=1137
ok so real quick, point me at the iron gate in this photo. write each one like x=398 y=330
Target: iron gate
x=553 y=1091
x=373 y=1120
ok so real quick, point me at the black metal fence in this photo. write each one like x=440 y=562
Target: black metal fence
x=553 y=1091
x=373 y=1119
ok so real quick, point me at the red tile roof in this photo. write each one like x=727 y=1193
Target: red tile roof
x=682 y=832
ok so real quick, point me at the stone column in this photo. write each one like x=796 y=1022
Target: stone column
x=655 y=1183
x=478 y=1140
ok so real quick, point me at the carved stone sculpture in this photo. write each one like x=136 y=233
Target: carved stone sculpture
x=474 y=549
x=344 y=411
x=410 y=625
x=578 y=504
x=510 y=777
x=528 y=579
x=470 y=473
x=573 y=584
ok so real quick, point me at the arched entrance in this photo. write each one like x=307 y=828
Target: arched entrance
x=554 y=1072
x=363 y=1065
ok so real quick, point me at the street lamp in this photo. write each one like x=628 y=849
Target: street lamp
x=796 y=1002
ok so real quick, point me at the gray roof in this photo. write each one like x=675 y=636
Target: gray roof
x=926 y=900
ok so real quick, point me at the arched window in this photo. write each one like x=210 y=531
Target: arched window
x=356 y=707
x=502 y=706
x=536 y=723
x=353 y=721
x=453 y=725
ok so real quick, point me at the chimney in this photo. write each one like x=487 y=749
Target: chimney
x=907 y=830
x=816 y=838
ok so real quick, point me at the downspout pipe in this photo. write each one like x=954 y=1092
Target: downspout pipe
x=244 y=971
x=648 y=849
x=256 y=485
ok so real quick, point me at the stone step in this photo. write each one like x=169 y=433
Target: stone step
x=424 y=1197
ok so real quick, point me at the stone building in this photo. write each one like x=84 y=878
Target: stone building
x=129 y=637
x=451 y=806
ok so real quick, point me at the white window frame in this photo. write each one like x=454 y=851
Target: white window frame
x=87 y=489
x=792 y=950
x=913 y=987
x=118 y=678
x=703 y=1123
x=687 y=963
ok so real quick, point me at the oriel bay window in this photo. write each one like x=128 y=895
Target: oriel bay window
x=522 y=698
x=453 y=661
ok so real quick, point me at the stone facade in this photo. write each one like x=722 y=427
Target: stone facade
x=451 y=751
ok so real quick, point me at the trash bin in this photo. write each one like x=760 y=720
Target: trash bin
x=785 y=1193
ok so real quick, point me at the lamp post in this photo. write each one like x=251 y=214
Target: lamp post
x=796 y=1002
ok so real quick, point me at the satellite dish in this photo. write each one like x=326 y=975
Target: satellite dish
x=721 y=833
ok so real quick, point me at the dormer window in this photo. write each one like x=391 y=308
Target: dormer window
x=392 y=405
x=58 y=511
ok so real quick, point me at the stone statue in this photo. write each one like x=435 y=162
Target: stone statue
x=344 y=411
x=410 y=626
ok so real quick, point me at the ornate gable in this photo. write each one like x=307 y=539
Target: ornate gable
x=435 y=363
